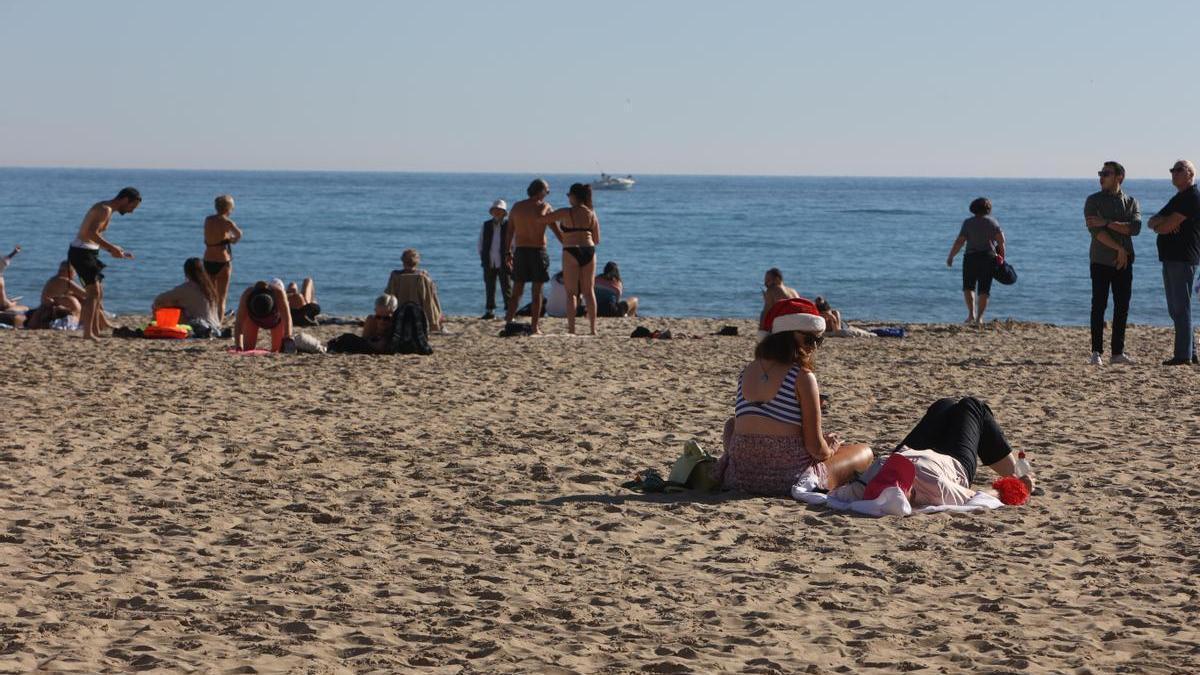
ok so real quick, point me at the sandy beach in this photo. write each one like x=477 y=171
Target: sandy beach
x=169 y=507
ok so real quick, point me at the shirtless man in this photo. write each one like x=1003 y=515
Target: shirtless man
x=529 y=262
x=84 y=254
x=774 y=290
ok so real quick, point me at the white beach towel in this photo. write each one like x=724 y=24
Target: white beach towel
x=891 y=502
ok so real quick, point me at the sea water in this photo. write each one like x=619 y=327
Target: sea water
x=686 y=245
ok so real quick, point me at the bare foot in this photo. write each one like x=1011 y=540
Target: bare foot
x=93 y=338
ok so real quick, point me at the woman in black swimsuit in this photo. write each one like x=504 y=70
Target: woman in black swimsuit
x=220 y=234
x=579 y=231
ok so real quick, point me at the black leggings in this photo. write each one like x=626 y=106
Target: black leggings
x=963 y=429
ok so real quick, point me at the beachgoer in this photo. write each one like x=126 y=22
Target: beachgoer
x=984 y=241
x=774 y=290
x=84 y=255
x=946 y=447
x=1178 y=228
x=776 y=435
x=196 y=296
x=608 y=293
x=497 y=266
x=377 y=328
x=833 y=318
x=578 y=229
x=1113 y=219
x=8 y=304
x=412 y=284
x=220 y=234
x=263 y=305
x=302 y=302
x=61 y=290
x=525 y=251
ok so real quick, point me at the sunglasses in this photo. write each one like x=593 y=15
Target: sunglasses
x=1178 y=169
x=1105 y=174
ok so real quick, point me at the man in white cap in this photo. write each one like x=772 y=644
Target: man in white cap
x=496 y=264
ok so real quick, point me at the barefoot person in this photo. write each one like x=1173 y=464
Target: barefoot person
x=84 y=254
x=529 y=261
x=220 y=234
x=984 y=239
x=263 y=305
x=776 y=435
x=302 y=301
x=579 y=231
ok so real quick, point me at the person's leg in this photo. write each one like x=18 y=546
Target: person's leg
x=981 y=304
x=87 y=317
x=1177 y=285
x=846 y=463
x=1101 y=280
x=587 y=287
x=1122 y=291
x=536 y=315
x=571 y=282
x=632 y=304
x=969 y=299
x=489 y=290
x=968 y=286
x=221 y=280
x=505 y=285
x=928 y=432
x=308 y=290
x=514 y=300
x=993 y=446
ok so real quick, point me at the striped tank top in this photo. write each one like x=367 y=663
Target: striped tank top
x=784 y=407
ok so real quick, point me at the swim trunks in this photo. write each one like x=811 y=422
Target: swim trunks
x=531 y=263
x=87 y=264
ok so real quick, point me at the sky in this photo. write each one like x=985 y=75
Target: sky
x=867 y=88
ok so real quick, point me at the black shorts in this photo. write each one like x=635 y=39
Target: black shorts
x=531 y=264
x=977 y=272
x=306 y=315
x=87 y=265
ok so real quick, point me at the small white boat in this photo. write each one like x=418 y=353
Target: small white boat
x=608 y=182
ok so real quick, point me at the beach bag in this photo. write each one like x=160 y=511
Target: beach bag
x=410 y=331
x=1004 y=272
x=516 y=328
x=694 y=469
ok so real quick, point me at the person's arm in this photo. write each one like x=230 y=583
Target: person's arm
x=1007 y=466
x=819 y=446
x=285 y=316
x=958 y=244
x=999 y=239
x=1106 y=239
x=92 y=232
x=595 y=230
x=237 y=322
x=1167 y=223
x=234 y=233
x=479 y=242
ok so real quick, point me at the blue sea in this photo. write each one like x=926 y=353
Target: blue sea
x=687 y=245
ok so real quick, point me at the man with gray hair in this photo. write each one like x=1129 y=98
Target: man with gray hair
x=1178 y=228
x=1113 y=219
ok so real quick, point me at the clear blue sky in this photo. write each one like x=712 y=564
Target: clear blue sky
x=937 y=88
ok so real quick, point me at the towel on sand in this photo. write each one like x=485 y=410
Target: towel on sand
x=891 y=502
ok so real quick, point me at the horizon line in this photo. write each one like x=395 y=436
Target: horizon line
x=548 y=173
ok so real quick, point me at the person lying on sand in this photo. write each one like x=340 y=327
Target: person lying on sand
x=375 y=333
x=263 y=305
x=945 y=448
x=302 y=302
x=775 y=434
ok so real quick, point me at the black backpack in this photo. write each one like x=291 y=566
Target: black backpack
x=410 y=331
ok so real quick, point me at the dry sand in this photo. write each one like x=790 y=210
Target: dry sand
x=170 y=507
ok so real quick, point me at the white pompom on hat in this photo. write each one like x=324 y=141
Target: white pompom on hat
x=789 y=315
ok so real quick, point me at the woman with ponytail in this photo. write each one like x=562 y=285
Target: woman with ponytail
x=197 y=296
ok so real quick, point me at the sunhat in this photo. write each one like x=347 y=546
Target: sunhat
x=500 y=204
x=791 y=314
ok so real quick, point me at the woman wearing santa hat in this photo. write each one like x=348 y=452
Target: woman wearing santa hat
x=775 y=434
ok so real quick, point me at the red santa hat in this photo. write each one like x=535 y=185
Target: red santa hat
x=791 y=314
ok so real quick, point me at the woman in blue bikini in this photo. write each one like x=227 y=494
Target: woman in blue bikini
x=579 y=231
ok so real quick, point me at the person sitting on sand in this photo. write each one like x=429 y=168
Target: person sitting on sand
x=197 y=297
x=263 y=305
x=302 y=301
x=608 y=293
x=774 y=290
x=833 y=318
x=377 y=328
x=775 y=434
x=945 y=447
x=8 y=304
x=220 y=234
x=412 y=284
x=61 y=298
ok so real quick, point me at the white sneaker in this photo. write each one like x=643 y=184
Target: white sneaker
x=1096 y=359
x=1122 y=358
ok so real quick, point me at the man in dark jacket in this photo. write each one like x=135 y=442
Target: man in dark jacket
x=491 y=256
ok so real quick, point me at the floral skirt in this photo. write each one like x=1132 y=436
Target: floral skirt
x=765 y=465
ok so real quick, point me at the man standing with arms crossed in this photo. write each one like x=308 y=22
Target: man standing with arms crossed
x=1178 y=228
x=530 y=262
x=1113 y=219
x=84 y=254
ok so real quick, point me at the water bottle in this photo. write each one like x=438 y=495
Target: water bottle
x=1023 y=468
